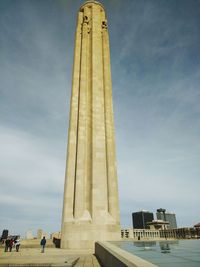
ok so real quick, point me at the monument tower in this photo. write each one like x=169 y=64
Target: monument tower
x=90 y=207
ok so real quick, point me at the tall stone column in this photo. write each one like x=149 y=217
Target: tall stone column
x=91 y=207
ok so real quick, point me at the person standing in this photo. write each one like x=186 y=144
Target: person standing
x=17 y=244
x=43 y=243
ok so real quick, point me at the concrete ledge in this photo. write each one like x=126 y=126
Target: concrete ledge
x=111 y=255
x=35 y=243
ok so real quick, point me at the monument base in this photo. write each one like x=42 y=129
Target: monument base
x=84 y=235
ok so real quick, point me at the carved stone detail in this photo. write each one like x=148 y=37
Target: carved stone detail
x=104 y=24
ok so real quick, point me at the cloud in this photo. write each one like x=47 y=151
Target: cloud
x=32 y=177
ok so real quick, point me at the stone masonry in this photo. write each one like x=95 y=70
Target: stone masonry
x=90 y=207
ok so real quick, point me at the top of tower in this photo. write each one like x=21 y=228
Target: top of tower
x=91 y=2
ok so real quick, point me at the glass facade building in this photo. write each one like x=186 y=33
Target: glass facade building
x=141 y=218
x=170 y=217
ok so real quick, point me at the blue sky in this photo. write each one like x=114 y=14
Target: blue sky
x=156 y=75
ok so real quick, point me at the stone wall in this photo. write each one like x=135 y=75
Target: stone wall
x=111 y=255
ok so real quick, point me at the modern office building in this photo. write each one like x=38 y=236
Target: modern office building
x=141 y=218
x=167 y=216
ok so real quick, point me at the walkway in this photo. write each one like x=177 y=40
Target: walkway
x=51 y=257
x=87 y=261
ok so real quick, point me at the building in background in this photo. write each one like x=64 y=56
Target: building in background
x=4 y=234
x=158 y=225
x=56 y=235
x=29 y=234
x=197 y=225
x=167 y=216
x=39 y=234
x=141 y=218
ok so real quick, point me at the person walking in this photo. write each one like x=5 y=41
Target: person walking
x=17 y=244
x=7 y=243
x=11 y=244
x=43 y=243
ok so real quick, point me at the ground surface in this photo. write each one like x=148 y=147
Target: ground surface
x=51 y=255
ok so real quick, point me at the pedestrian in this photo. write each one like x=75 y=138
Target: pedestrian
x=11 y=244
x=43 y=243
x=17 y=244
x=7 y=243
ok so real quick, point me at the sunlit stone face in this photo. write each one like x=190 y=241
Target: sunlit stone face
x=91 y=209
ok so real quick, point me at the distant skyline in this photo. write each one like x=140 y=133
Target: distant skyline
x=156 y=75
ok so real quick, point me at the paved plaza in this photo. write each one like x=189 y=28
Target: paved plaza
x=51 y=257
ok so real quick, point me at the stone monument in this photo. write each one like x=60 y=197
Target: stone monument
x=91 y=206
x=29 y=234
x=39 y=234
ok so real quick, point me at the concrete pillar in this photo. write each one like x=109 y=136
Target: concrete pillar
x=91 y=206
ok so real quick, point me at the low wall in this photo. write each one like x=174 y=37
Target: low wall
x=35 y=243
x=110 y=255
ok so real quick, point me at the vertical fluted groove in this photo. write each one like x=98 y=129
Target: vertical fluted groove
x=88 y=181
x=82 y=133
x=72 y=134
x=110 y=140
x=77 y=121
x=99 y=188
x=105 y=116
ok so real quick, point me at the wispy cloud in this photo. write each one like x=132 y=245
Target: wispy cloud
x=155 y=67
x=32 y=176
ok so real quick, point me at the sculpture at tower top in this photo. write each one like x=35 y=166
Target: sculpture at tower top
x=91 y=206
